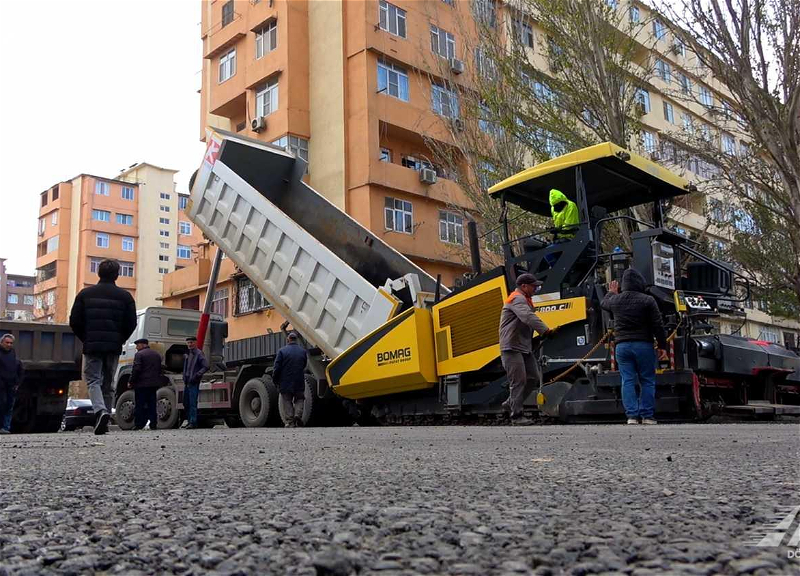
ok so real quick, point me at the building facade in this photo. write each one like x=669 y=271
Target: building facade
x=348 y=87
x=16 y=295
x=87 y=219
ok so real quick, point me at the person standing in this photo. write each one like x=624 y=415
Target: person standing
x=103 y=316
x=145 y=380
x=194 y=366
x=637 y=321
x=288 y=373
x=517 y=323
x=11 y=373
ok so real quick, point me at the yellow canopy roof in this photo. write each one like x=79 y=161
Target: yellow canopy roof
x=613 y=178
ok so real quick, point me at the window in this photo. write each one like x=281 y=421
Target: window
x=227 y=65
x=705 y=97
x=392 y=19
x=611 y=3
x=669 y=113
x=769 y=334
x=443 y=101
x=13 y=299
x=634 y=14
x=42 y=225
x=688 y=123
x=267 y=38
x=126 y=219
x=227 y=13
x=664 y=71
x=728 y=144
x=44 y=199
x=485 y=64
x=486 y=174
x=127 y=193
x=55 y=194
x=101 y=188
x=790 y=340
x=163 y=220
x=267 y=98
x=543 y=92
x=705 y=132
x=485 y=11
x=643 y=100
x=54 y=218
x=126 y=269
x=50 y=297
x=38 y=302
x=183 y=201
x=184 y=227
x=163 y=270
x=686 y=84
x=399 y=215
x=219 y=302
x=101 y=240
x=451 y=227
x=679 y=47
x=101 y=215
x=163 y=196
x=94 y=264
x=450 y=2
x=524 y=32
x=649 y=141
x=163 y=258
x=443 y=43
x=164 y=208
x=294 y=144
x=127 y=244
x=184 y=251
x=386 y=155
x=27 y=299
x=659 y=30
x=393 y=80
x=163 y=233
x=164 y=245
x=249 y=298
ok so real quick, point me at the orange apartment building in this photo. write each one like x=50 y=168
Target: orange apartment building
x=344 y=85
x=87 y=219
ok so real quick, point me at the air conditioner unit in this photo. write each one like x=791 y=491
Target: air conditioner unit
x=458 y=124
x=456 y=66
x=258 y=124
x=427 y=176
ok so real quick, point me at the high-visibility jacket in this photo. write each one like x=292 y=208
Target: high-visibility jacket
x=567 y=217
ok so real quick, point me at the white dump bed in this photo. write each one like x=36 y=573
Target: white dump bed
x=325 y=299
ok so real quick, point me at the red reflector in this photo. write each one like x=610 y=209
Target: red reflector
x=761 y=342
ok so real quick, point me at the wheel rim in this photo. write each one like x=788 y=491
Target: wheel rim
x=255 y=404
x=125 y=411
x=163 y=409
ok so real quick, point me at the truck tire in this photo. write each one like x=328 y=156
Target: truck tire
x=126 y=405
x=167 y=408
x=258 y=403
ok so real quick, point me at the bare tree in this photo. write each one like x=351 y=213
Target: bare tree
x=752 y=48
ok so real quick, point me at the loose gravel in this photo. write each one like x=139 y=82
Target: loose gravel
x=451 y=500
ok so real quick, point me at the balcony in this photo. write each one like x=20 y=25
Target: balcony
x=219 y=38
x=397 y=177
x=187 y=279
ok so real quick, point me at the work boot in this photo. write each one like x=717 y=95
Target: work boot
x=521 y=421
x=298 y=422
x=289 y=424
x=101 y=425
x=649 y=421
x=4 y=431
x=506 y=405
x=633 y=420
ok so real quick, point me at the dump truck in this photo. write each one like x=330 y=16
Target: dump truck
x=51 y=356
x=393 y=345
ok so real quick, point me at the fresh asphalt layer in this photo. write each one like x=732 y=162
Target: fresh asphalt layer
x=677 y=499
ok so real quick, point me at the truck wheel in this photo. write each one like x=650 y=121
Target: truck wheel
x=167 y=408
x=126 y=406
x=258 y=402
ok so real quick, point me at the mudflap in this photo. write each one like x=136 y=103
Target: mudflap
x=550 y=398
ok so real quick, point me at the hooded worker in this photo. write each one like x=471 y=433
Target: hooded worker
x=565 y=215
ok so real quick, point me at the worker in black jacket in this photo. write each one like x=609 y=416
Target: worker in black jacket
x=289 y=374
x=145 y=380
x=103 y=316
x=637 y=322
x=11 y=374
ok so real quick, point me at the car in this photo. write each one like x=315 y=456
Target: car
x=79 y=413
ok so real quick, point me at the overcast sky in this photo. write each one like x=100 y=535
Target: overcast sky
x=92 y=86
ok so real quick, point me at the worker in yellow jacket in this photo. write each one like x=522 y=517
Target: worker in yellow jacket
x=565 y=218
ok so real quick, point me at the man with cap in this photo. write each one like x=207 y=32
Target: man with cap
x=288 y=373
x=517 y=324
x=194 y=366
x=145 y=381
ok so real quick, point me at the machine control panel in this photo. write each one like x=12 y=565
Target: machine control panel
x=663 y=265
x=684 y=303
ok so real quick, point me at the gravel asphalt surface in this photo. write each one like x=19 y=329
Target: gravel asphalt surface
x=423 y=500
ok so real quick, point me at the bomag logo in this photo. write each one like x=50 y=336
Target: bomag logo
x=555 y=307
x=394 y=356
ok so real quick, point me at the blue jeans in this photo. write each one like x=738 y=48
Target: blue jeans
x=637 y=359
x=190 y=395
x=7 y=406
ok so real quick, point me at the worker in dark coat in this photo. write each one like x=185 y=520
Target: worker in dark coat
x=103 y=316
x=194 y=366
x=145 y=380
x=289 y=375
x=11 y=373
x=637 y=322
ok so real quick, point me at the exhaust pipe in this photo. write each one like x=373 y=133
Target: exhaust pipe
x=474 y=247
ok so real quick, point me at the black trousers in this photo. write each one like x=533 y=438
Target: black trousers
x=145 y=407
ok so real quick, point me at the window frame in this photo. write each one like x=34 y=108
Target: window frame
x=269 y=28
x=184 y=225
x=401 y=80
x=402 y=209
x=456 y=226
x=102 y=188
x=385 y=18
x=98 y=212
x=97 y=240
x=440 y=36
x=267 y=93
x=438 y=96
x=130 y=190
x=184 y=249
x=130 y=241
x=669 y=112
x=124 y=219
x=227 y=66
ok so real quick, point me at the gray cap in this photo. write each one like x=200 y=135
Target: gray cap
x=528 y=279
x=291 y=336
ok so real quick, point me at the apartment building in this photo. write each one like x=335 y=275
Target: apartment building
x=347 y=87
x=16 y=295
x=88 y=218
